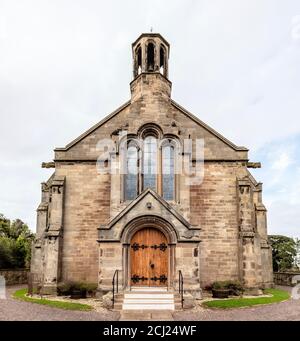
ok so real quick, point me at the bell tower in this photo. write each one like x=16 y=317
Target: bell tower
x=150 y=54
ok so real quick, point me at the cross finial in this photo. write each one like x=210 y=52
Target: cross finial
x=151 y=29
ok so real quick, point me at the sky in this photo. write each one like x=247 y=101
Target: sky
x=65 y=64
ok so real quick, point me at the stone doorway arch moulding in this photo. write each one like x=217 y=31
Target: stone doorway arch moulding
x=151 y=204
x=149 y=221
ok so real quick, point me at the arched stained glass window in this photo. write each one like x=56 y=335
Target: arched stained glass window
x=150 y=163
x=168 y=172
x=131 y=176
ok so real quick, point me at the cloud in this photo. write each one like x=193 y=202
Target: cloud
x=282 y=162
x=281 y=177
x=65 y=64
x=284 y=218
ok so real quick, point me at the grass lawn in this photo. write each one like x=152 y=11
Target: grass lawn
x=278 y=295
x=21 y=295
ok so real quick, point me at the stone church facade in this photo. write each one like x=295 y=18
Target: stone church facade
x=143 y=213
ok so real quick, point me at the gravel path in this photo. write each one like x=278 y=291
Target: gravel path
x=13 y=310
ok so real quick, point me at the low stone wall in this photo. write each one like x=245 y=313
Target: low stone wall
x=15 y=276
x=284 y=278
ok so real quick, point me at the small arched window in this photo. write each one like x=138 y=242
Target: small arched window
x=168 y=172
x=150 y=163
x=150 y=57
x=132 y=173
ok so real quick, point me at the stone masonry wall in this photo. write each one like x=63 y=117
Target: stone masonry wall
x=214 y=208
x=87 y=196
x=285 y=278
x=187 y=260
x=14 y=276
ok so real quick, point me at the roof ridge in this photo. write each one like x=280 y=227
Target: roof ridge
x=176 y=105
x=207 y=127
x=93 y=128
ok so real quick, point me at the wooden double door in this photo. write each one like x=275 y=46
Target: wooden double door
x=149 y=254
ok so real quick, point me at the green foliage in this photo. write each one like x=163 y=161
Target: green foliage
x=284 y=252
x=15 y=243
x=4 y=226
x=21 y=295
x=90 y=288
x=235 y=287
x=6 y=253
x=297 y=258
x=278 y=295
x=66 y=288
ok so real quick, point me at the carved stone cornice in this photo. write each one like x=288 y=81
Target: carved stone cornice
x=43 y=206
x=264 y=244
x=247 y=234
x=260 y=207
x=58 y=181
x=53 y=233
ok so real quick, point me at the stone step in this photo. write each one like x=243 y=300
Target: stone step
x=148 y=295
x=148 y=300
x=149 y=289
x=119 y=306
x=148 y=306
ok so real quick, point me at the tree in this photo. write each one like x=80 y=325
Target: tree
x=297 y=259
x=284 y=252
x=15 y=243
x=6 y=254
x=4 y=226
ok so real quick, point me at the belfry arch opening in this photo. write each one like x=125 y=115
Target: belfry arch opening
x=162 y=61
x=137 y=69
x=150 y=57
x=139 y=60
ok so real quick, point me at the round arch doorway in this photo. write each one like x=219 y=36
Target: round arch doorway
x=149 y=258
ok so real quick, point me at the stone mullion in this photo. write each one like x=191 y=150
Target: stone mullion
x=159 y=177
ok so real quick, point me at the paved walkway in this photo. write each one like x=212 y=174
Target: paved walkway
x=146 y=315
x=15 y=310
x=12 y=310
x=283 y=311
